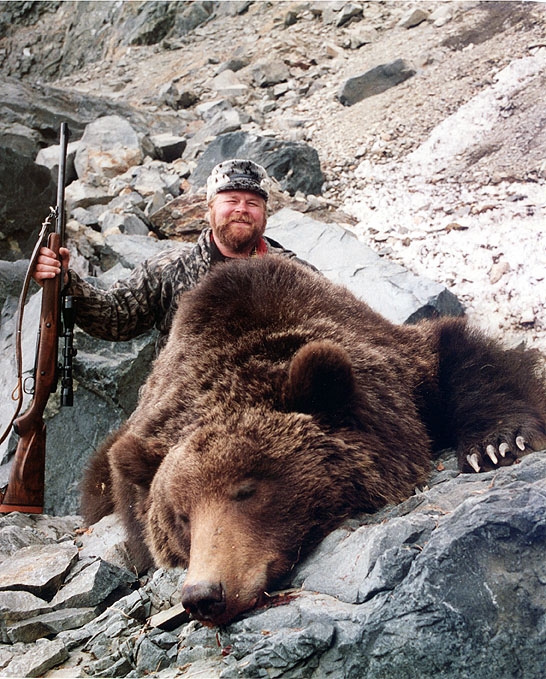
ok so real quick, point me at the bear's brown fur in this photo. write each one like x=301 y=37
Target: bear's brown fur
x=282 y=404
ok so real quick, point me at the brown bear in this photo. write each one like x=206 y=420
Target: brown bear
x=280 y=405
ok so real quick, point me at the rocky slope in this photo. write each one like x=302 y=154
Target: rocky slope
x=472 y=219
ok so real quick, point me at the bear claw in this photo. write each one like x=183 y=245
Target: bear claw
x=473 y=461
x=503 y=449
x=490 y=450
x=488 y=455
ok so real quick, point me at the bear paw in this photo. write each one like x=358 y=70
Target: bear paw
x=491 y=455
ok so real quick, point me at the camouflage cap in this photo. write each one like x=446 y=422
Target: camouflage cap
x=238 y=175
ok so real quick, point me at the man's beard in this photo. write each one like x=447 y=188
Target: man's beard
x=238 y=240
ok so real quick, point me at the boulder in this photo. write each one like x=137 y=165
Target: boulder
x=387 y=287
x=295 y=165
x=27 y=191
x=109 y=147
x=374 y=81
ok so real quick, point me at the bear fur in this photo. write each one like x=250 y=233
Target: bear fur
x=280 y=405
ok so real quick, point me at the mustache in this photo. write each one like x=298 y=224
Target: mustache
x=241 y=218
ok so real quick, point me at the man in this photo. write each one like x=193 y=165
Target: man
x=237 y=193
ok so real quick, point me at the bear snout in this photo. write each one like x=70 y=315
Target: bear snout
x=205 y=601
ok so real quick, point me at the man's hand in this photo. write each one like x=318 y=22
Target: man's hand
x=48 y=266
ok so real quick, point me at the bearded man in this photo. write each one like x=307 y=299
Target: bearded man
x=237 y=194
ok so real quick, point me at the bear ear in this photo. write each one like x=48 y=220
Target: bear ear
x=135 y=459
x=320 y=379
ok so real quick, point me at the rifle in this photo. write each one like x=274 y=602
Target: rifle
x=25 y=489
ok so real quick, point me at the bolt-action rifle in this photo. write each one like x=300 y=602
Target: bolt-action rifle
x=25 y=489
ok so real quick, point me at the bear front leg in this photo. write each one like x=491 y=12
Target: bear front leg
x=494 y=398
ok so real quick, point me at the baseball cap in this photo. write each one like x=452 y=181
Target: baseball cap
x=238 y=175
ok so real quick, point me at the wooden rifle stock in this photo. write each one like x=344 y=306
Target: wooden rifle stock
x=25 y=489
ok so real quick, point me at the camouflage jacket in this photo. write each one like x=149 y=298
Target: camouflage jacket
x=148 y=297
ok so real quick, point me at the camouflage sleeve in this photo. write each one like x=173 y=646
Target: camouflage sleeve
x=128 y=308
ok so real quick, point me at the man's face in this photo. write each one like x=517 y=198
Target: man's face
x=238 y=219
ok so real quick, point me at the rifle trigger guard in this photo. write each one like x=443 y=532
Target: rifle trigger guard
x=27 y=389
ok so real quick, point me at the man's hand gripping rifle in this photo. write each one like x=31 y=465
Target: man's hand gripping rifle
x=25 y=489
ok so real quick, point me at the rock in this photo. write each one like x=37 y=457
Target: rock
x=227 y=84
x=347 y=13
x=38 y=569
x=441 y=15
x=109 y=147
x=374 y=81
x=79 y=194
x=266 y=73
x=413 y=18
x=16 y=606
x=92 y=585
x=49 y=624
x=51 y=105
x=386 y=287
x=123 y=223
x=42 y=657
x=295 y=165
x=224 y=121
x=106 y=540
x=50 y=157
x=12 y=275
x=150 y=25
x=27 y=191
x=168 y=147
x=182 y=218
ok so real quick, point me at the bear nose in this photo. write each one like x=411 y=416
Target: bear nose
x=204 y=600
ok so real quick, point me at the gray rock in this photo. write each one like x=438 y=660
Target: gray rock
x=92 y=585
x=227 y=84
x=295 y=165
x=49 y=157
x=192 y=15
x=150 y=25
x=374 y=81
x=168 y=147
x=38 y=569
x=386 y=287
x=41 y=658
x=81 y=195
x=27 y=191
x=267 y=73
x=151 y=657
x=348 y=12
x=22 y=530
x=223 y=122
x=12 y=275
x=208 y=109
x=85 y=217
x=123 y=223
x=106 y=540
x=108 y=147
x=16 y=606
x=147 y=180
x=49 y=624
x=52 y=104
x=413 y=17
